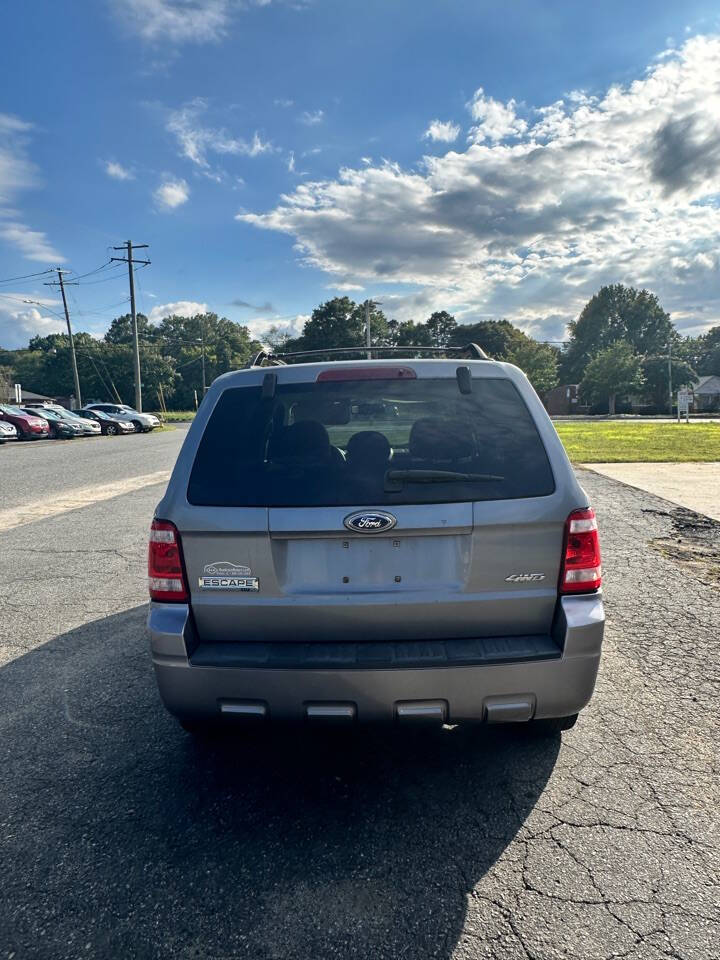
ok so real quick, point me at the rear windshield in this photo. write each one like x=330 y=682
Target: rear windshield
x=369 y=442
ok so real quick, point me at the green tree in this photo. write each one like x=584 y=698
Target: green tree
x=539 y=363
x=441 y=326
x=616 y=369
x=340 y=322
x=407 y=333
x=120 y=330
x=655 y=373
x=183 y=341
x=615 y=313
x=498 y=338
x=708 y=354
x=6 y=383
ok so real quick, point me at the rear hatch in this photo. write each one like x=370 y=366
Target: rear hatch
x=371 y=503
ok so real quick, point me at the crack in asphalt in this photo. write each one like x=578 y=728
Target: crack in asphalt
x=118 y=836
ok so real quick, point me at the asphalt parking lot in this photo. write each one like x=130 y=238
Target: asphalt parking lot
x=120 y=837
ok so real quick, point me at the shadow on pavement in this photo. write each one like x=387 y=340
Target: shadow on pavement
x=123 y=837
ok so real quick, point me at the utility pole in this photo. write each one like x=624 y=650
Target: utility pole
x=202 y=341
x=128 y=247
x=59 y=282
x=368 y=339
x=670 y=375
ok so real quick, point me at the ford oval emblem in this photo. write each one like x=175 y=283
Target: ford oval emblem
x=370 y=522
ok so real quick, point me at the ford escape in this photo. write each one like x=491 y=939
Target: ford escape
x=375 y=540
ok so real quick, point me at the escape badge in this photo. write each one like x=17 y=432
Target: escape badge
x=224 y=575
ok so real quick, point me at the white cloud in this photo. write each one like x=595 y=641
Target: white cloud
x=18 y=322
x=32 y=244
x=171 y=194
x=624 y=187
x=178 y=308
x=196 y=140
x=311 y=118
x=444 y=131
x=178 y=21
x=283 y=102
x=344 y=287
x=292 y=328
x=18 y=173
x=494 y=120
x=117 y=171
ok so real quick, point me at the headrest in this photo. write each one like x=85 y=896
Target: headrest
x=306 y=439
x=368 y=446
x=435 y=439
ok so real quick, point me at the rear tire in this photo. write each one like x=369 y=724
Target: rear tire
x=138 y=426
x=111 y=430
x=199 y=727
x=553 y=725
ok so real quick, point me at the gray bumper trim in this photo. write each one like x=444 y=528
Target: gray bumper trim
x=555 y=686
x=375 y=656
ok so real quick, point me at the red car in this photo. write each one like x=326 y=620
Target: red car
x=28 y=426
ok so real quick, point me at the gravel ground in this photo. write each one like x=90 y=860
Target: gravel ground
x=119 y=836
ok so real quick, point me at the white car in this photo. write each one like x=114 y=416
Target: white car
x=8 y=431
x=143 y=422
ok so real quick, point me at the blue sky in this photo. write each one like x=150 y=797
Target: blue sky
x=495 y=159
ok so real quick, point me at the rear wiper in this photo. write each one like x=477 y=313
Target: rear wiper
x=394 y=479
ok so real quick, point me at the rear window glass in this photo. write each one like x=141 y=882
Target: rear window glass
x=379 y=442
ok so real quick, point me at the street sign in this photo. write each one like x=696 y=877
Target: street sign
x=684 y=399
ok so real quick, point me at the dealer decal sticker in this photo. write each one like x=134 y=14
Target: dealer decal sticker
x=224 y=575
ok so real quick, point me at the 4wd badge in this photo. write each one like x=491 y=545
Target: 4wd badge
x=224 y=575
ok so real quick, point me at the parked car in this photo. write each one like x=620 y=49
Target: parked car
x=143 y=422
x=8 y=431
x=109 y=424
x=60 y=428
x=449 y=572
x=89 y=427
x=28 y=425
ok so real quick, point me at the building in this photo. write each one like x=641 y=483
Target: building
x=27 y=396
x=707 y=393
x=562 y=400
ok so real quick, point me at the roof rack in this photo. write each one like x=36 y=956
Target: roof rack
x=471 y=351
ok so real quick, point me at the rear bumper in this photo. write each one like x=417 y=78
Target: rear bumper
x=195 y=683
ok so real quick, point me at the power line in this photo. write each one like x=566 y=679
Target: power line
x=89 y=283
x=27 y=276
x=96 y=270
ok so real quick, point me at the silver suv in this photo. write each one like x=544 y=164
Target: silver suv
x=375 y=540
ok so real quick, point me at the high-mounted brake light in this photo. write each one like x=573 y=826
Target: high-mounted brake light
x=581 y=570
x=165 y=565
x=367 y=373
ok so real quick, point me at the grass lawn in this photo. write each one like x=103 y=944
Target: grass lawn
x=175 y=416
x=618 y=442
x=603 y=441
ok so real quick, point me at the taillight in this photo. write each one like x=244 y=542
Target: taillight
x=165 y=566
x=581 y=570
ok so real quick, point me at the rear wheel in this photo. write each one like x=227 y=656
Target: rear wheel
x=199 y=727
x=552 y=725
x=111 y=430
x=138 y=426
